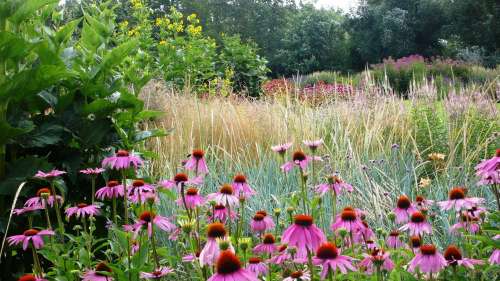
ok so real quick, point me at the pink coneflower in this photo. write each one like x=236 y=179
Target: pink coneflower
x=377 y=258
x=415 y=243
x=393 y=240
x=38 y=200
x=281 y=256
x=349 y=220
x=92 y=171
x=403 y=209
x=157 y=273
x=101 y=273
x=298 y=276
x=281 y=148
x=181 y=179
x=417 y=225
x=495 y=257
x=257 y=266
x=428 y=260
x=221 y=213
x=489 y=179
x=139 y=191
x=476 y=211
x=267 y=219
x=192 y=198
x=458 y=200
x=363 y=234
x=454 y=257
x=267 y=246
x=313 y=144
x=33 y=235
x=147 y=219
x=300 y=160
x=225 y=196
x=241 y=187
x=25 y=210
x=229 y=268
x=49 y=175
x=422 y=203
x=487 y=167
x=329 y=257
x=371 y=245
x=335 y=184
x=197 y=162
x=113 y=189
x=467 y=223
x=304 y=235
x=30 y=277
x=257 y=223
x=191 y=257
x=122 y=160
x=134 y=247
x=82 y=210
x=211 y=250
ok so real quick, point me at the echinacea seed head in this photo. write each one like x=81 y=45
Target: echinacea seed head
x=299 y=156
x=497 y=152
x=226 y=189
x=269 y=239
x=102 y=267
x=348 y=208
x=428 y=249
x=457 y=193
x=81 y=205
x=219 y=207
x=216 y=230
x=403 y=202
x=334 y=179
x=262 y=212
x=240 y=178
x=303 y=220
x=138 y=183
x=258 y=217
x=419 y=199
x=112 y=183
x=27 y=277
x=282 y=248
x=180 y=177
x=348 y=215
x=296 y=274
x=41 y=191
x=122 y=153
x=394 y=233
x=327 y=251
x=192 y=191
x=147 y=216
x=417 y=217
x=30 y=232
x=254 y=260
x=198 y=153
x=452 y=254
x=227 y=263
x=415 y=241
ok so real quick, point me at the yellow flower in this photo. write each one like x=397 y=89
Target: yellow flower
x=124 y=24
x=163 y=42
x=158 y=21
x=436 y=156
x=191 y=17
x=194 y=30
x=133 y=32
x=424 y=182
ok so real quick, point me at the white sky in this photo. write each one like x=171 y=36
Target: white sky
x=342 y=4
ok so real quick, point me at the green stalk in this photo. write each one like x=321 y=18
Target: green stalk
x=89 y=243
x=153 y=242
x=125 y=203
x=93 y=189
x=115 y=218
x=304 y=191
x=56 y=205
x=310 y=264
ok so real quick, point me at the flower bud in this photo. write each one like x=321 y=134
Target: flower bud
x=224 y=245
x=277 y=212
x=342 y=232
x=392 y=216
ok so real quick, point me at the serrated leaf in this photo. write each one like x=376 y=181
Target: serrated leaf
x=28 y=8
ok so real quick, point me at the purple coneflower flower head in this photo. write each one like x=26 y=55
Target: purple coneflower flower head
x=495 y=257
x=30 y=277
x=241 y=187
x=349 y=220
x=261 y=222
x=221 y=213
x=122 y=160
x=415 y=243
x=147 y=219
x=422 y=203
x=489 y=179
x=300 y=160
x=417 y=225
x=157 y=273
x=134 y=247
x=363 y=234
x=267 y=246
x=393 y=240
x=257 y=266
x=476 y=211
x=39 y=201
x=487 y=167
x=403 y=209
x=196 y=162
x=102 y=272
x=92 y=171
x=192 y=198
x=191 y=257
x=82 y=210
x=211 y=250
x=281 y=256
x=377 y=258
x=33 y=235
x=329 y=257
x=225 y=196
x=428 y=260
x=454 y=257
x=335 y=184
x=313 y=144
x=181 y=179
x=467 y=223
x=49 y=175
x=25 y=210
x=304 y=235
x=370 y=244
x=298 y=276
x=281 y=148
x=458 y=200
x=113 y=189
x=228 y=267
x=139 y=191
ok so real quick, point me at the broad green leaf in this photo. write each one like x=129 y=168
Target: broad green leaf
x=64 y=33
x=9 y=132
x=13 y=47
x=143 y=135
x=148 y=114
x=28 y=8
x=116 y=57
x=44 y=135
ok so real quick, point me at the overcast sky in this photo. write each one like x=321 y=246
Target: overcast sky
x=342 y=4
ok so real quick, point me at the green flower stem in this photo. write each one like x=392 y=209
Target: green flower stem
x=36 y=262
x=47 y=216
x=304 y=190
x=125 y=194
x=89 y=242
x=115 y=215
x=56 y=205
x=93 y=189
x=310 y=264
